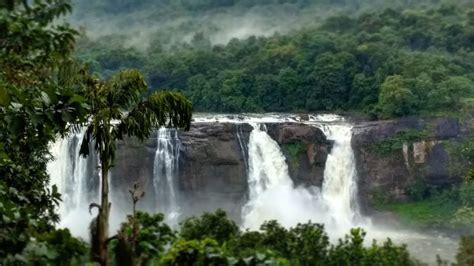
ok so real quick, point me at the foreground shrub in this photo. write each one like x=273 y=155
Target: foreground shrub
x=210 y=225
x=465 y=256
x=142 y=237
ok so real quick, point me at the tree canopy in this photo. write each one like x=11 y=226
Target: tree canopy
x=342 y=63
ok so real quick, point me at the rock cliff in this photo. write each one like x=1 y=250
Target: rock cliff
x=213 y=164
x=391 y=156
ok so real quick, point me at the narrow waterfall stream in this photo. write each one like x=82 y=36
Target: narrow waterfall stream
x=339 y=189
x=243 y=146
x=165 y=170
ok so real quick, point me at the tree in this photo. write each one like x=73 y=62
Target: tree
x=449 y=93
x=395 y=99
x=333 y=75
x=141 y=238
x=37 y=103
x=119 y=108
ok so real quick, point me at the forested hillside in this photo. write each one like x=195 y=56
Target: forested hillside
x=386 y=62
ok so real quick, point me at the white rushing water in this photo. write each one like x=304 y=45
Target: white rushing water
x=273 y=196
x=165 y=170
x=339 y=189
x=77 y=181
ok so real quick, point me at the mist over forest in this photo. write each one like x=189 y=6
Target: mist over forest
x=171 y=22
x=255 y=56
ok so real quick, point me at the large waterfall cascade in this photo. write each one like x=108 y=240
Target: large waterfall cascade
x=271 y=191
x=272 y=194
x=165 y=170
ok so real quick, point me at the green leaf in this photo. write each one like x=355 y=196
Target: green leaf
x=4 y=97
x=45 y=98
x=77 y=99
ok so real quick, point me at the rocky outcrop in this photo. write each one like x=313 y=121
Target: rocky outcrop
x=393 y=156
x=213 y=164
x=134 y=164
x=306 y=150
x=212 y=170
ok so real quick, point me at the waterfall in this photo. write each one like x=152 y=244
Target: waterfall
x=243 y=147
x=77 y=181
x=165 y=172
x=339 y=189
x=272 y=194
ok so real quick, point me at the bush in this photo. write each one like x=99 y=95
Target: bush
x=466 y=194
x=395 y=98
x=57 y=247
x=351 y=251
x=210 y=225
x=465 y=256
x=141 y=238
x=194 y=252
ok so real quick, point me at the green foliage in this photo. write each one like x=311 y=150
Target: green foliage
x=295 y=149
x=210 y=225
x=465 y=254
x=68 y=249
x=194 y=252
x=448 y=208
x=451 y=91
x=464 y=217
x=466 y=194
x=395 y=144
x=351 y=251
x=207 y=252
x=308 y=244
x=395 y=98
x=56 y=247
x=304 y=244
x=379 y=198
x=461 y=157
x=141 y=238
x=119 y=108
x=418 y=189
x=38 y=103
x=387 y=62
x=437 y=210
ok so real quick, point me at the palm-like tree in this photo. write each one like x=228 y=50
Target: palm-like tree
x=118 y=107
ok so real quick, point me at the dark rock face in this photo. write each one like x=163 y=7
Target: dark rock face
x=306 y=164
x=134 y=164
x=212 y=171
x=391 y=175
x=213 y=164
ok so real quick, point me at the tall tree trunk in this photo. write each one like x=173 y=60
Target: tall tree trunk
x=103 y=220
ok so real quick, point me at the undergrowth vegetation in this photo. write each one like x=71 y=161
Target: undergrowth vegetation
x=213 y=239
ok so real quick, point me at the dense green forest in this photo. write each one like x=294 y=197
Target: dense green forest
x=386 y=62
